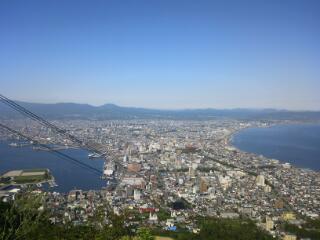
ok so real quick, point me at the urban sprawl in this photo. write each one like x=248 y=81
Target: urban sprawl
x=166 y=173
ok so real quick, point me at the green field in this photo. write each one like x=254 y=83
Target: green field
x=30 y=179
x=27 y=177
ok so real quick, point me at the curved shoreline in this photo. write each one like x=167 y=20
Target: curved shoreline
x=230 y=139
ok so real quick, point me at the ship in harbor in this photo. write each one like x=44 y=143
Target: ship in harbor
x=23 y=144
x=13 y=145
x=96 y=155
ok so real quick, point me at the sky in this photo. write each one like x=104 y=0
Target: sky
x=165 y=54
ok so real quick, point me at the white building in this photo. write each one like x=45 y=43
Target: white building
x=260 y=181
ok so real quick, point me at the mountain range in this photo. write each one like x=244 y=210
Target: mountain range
x=112 y=111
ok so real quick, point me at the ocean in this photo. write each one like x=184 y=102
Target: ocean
x=298 y=144
x=68 y=176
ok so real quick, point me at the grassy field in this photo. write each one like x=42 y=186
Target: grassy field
x=26 y=176
x=29 y=179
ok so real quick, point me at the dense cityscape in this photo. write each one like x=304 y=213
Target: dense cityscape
x=164 y=174
x=159 y=120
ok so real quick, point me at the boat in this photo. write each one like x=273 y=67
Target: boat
x=94 y=155
x=53 y=183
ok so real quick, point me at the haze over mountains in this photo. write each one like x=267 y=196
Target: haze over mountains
x=112 y=111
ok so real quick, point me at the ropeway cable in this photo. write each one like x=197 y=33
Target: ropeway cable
x=53 y=151
x=47 y=124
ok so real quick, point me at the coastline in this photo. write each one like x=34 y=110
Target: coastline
x=66 y=175
x=229 y=143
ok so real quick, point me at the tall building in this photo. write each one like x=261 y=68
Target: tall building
x=191 y=172
x=136 y=194
x=125 y=158
x=260 y=181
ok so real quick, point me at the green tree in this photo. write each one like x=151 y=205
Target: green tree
x=144 y=234
x=23 y=219
x=229 y=229
x=126 y=238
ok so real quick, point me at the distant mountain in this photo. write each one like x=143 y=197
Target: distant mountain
x=112 y=111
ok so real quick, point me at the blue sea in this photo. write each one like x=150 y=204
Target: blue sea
x=68 y=176
x=298 y=144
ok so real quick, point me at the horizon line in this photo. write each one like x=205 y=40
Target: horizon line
x=174 y=109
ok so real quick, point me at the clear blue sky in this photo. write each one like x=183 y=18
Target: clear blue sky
x=162 y=53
